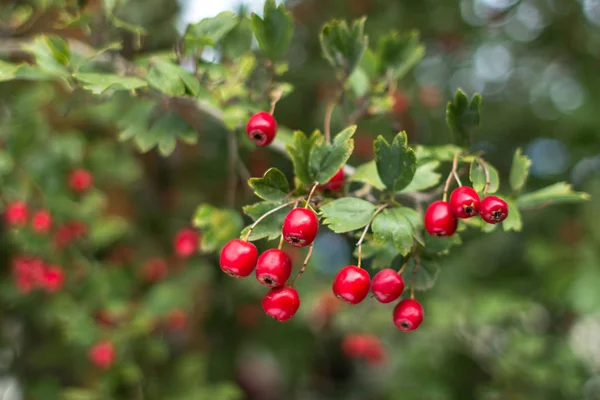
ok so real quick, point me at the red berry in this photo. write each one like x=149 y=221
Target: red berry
x=300 y=227
x=351 y=284
x=186 y=242
x=154 y=269
x=80 y=180
x=261 y=128
x=493 y=210
x=41 y=221
x=364 y=346
x=408 y=315
x=464 y=202
x=281 y=303
x=273 y=268
x=238 y=258
x=387 y=285
x=102 y=354
x=28 y=272
x=16 y=213
x=176 y=320
x=52 y=279
x=336 y=183
x=439 y=219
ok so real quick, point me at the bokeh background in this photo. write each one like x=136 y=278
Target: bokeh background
x=513 y=315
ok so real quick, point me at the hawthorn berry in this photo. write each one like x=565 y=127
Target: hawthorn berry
x=41 y=221
x=261 y=128
x=102 y=354
x=336 y=183
x=154 y=269
x=364 y=346
x=408 y=315
x=300 y=227
x=52 y=279
x=16 y=213
x=351 y=284
x=186 y=242
x=439 y=219
x=493 y=210
x=238 y=258
x=281 y=303
x=387 y=285
x=27 y=272
x=80 y=180
x=464 y=202
x=273 y=268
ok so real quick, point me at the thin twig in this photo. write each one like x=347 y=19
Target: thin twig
x=414 y=276
x=265 y=215
x=401 y=270
x=451 y=175
x=280 y=243
x=310 y=250
x=487 y=174
x=362 y=237
x=276 y=97
x=244 y=173
x=231 y=168
x=312 y=191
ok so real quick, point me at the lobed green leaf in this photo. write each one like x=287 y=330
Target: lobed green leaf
x=396 y=163
x=347 y=214
x=273 y=186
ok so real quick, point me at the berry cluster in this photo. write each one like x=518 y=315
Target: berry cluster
x=441 y=217
x=32 y=273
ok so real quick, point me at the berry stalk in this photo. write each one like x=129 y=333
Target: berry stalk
x=362 y=237
x=487 y=174
x=265 y=215
x=452 y=174
x=304 y=264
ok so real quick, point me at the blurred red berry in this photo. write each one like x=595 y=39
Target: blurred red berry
x=336 y=183
x=401 y=102
x=68 y=233
x=80 y=180
x=16 y=213
x=52 y=279
x=102 y=354
x=154 y=269
x=41 y=221
x=365 y=347
x=186 y=242
x=27 y=272
x=177 y=319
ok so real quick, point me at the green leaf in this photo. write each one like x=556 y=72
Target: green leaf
x=6 y=163
x=299 y=151
x=393 y=225
x=347 y=214
x=557 y=193
x=367 y=173
x=383 y=254
x=425 y=276
x=327 y=159
x=135 y=121
x=59 y=48
x=274 y=31
x=272 y=186
x=8 y=70
x=396 y=164
x=99 y=83
x=519 y=171
x=437 y=153
x=166 y=77
x=462 y=115
x=239 y=40
x=399 y=53
x=425 y=178
x=344 y=46
x=163 y=133
x=209 y=31
x=513 y=221
x=437 y=246
x=77 y=64
x=270 y=227
x=477 y=177
x=108 y=230
x=49 y=56
x=218 y=226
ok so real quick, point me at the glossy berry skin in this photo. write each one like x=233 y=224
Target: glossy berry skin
x=273 y=268
x=493 y=210
x=186 y=242
x=300 y=227
x=80 y=180
x=464 y=202
x=408 y=315
x=261 y=128
x=16 y=213
x=439 y=219
x=238 y=258
x=351 y=284
x=102 y=354
x=41 y=221
x=387 y=285
x=281 y=303
x=336 y=183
